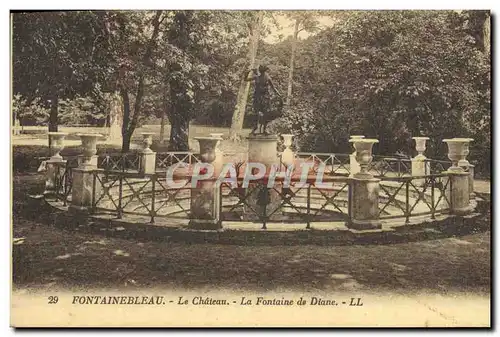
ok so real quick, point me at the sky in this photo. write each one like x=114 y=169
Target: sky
x=286 y=28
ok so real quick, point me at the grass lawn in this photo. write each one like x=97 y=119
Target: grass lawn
x=48 y=257
x=39 y=136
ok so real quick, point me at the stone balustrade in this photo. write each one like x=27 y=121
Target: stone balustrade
x=363 y=187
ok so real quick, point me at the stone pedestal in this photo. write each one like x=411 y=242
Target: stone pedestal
x=81 y=192
x=55 y=169
x=261 y=200
x=83 y=176
x=147 y=162
x=364 y=188
x=205 y=203
x=263 y=149
x=17 y=127
x=364 y=203
x=56 y=165
x=419 y=165
x=459 y=193
x=205 y=210
x=147 y=158
x=468 y=167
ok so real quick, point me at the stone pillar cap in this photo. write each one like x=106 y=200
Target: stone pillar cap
x=262 y=137
x=57 y=133
x=364 y=140
x=464 y=139
x=457 y=140
x=96 y=135
x=420 y=138
x=204 y=138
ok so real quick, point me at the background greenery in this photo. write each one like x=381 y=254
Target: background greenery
x=389 y=75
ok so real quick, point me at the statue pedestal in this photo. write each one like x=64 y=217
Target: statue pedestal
x=261 y=200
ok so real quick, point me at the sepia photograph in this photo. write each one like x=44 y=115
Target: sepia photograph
x=250 y=168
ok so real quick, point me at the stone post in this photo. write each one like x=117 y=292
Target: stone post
x=365 y=189
x=83 y=175
x=287 y=156
x=459 y=194
x=56 y=165
x=218 y=162
x=17 y=127
x=419 y=164
x=353 y=164
x=468 y=167
x=261 y=149
x=205 y=197
x=147 y=157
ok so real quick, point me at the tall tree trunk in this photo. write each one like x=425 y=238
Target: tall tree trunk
x=179 y=131
x=115 y=118
x=244 y=89
x=164 y=114
x=292 y=59
x=130 y=123
x=126 y=135
x=162 y=127
x=54 y=103
x=53 y=125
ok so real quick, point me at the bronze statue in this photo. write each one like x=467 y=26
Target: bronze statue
x=262 y=103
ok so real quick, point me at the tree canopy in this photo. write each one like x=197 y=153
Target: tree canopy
x=389 y=75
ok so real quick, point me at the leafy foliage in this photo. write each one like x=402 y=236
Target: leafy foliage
x=389 y=75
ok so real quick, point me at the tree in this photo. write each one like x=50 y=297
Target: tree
x=199 y=48
x=393 y=75
x=56 y=55
x=254 y=24
x=302 y=21
x=135 y=62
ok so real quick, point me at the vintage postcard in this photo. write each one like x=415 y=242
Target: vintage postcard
x=251 y=168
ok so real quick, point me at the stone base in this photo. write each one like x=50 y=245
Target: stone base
x=205 y=206
x=459 y=194
x=263 y=149
x=147 y=162
x=463 y=210
x=53 y=165
x=254 y=201
x=364 y=224
x=419 y=167
x=205 y=224
x=364 y=210
x=79 y=210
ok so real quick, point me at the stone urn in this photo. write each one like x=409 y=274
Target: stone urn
x=287 y=156
x=147 y=141
x=356 y=137
x=364 y=156
x=89 y=143
x=465 y=162
x=420 y=146
x=207 y=148
x=457 y=152
x=56 y=144
x=217 y=136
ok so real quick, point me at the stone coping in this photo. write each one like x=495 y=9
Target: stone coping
x=238 y=233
